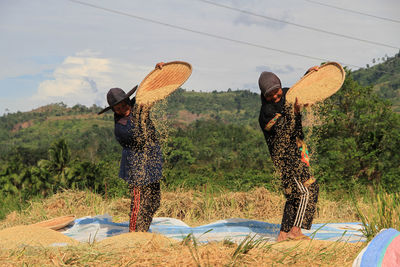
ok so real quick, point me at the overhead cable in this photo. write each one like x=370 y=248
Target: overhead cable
x=354 y=11
x=298 y=25
x=208 y=34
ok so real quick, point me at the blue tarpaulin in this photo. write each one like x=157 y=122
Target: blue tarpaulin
x=89 y=229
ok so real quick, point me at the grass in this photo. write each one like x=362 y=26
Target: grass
x=191 y=242
x=206 y=205
x=383 y=212
x=248 y=253
x=194 y=208
x=247 y=244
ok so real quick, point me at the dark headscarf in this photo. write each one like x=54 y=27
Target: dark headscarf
x=268 y=82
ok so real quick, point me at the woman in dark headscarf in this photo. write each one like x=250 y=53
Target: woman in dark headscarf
x=282 y=128
x=141 y=161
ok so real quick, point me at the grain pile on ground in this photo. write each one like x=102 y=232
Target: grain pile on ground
x=293 y=253
x=30 y=235
x=133 y=239
x=305 y=253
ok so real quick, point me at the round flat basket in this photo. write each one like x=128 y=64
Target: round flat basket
x=56 y=223
x=160 y=83
x=316 y=86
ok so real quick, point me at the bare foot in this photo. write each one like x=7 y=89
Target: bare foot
x=282 y=236
x=296 y=234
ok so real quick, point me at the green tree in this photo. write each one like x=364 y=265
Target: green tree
x=57 y=162
x=40 y=182
x=85 y=174
x=179 y=150
x=359 y=139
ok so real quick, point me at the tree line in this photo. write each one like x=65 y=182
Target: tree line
x=354 y=144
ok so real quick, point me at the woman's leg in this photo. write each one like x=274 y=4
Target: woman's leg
x=135 y=208
x=147 y=202
x=299 y=208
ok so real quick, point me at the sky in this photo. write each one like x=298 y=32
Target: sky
x=74 y=51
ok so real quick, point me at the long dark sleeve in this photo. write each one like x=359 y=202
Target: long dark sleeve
x=298 y=127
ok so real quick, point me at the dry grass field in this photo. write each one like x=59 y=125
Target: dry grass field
x=22 y=245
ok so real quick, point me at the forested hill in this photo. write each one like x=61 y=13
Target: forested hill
x=238 y=107
x=182 y=107
x=86 y=131
x=384 y=77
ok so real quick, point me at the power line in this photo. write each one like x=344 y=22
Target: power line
x=353 y=11
x=298 y=25
x=208 y=34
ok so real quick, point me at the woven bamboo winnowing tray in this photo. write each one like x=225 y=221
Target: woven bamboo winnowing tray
x=56 y=223
x=316 y=86
x=160 y=83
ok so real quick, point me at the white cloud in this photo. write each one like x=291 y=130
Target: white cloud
x=71 y=79
x=85 y=79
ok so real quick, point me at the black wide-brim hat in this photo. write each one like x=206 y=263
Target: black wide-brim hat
x=116 y=96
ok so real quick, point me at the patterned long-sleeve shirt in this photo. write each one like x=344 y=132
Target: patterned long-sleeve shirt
x=281 y=128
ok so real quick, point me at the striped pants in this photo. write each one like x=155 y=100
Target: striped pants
x=300 y=206
x=300 y=189
x=144 y=204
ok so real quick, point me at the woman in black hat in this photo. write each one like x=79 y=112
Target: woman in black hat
x=141 y=161
x=282 y=128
